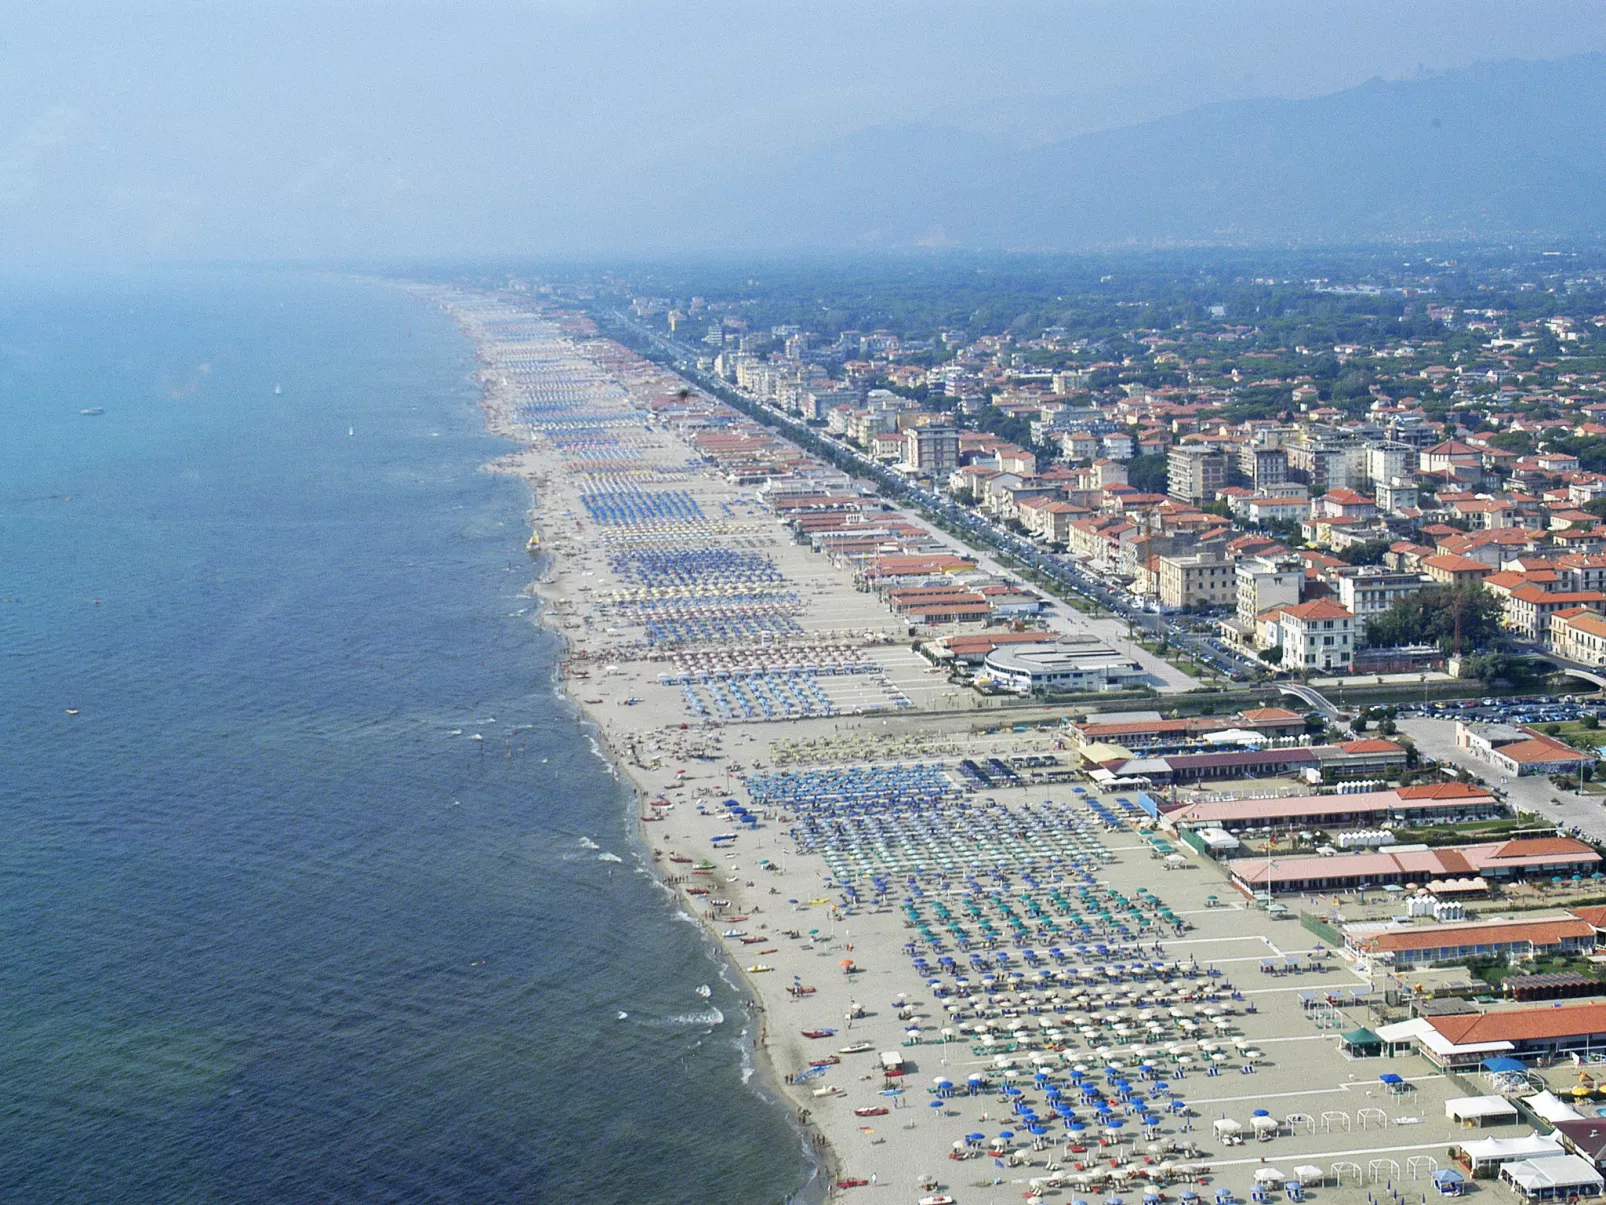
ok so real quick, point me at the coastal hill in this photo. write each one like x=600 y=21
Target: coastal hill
x=1511 y=148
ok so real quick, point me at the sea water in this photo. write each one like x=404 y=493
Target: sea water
x=273 y=925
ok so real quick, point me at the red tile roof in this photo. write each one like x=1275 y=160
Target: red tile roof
x=1522 y=1024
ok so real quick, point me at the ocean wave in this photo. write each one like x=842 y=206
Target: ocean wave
x=588 y=843
x=701 y=1018
x=609 y=858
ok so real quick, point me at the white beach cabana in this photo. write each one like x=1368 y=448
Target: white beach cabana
x=1481 y=1110
x=1551 y=1107
x=1491 y=1152
x=1555 y=1178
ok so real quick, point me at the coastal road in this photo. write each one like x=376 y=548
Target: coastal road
x=923 y=505
x=1436 y=739
x=1064 y=618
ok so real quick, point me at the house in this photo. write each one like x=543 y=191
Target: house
x=1317 y=635
x=1529 y=608
x=1343 y=503
x=1452 y=570
x=1451 y=455
x=1579 y=634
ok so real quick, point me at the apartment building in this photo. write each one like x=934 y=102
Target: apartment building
x=932 y=450
x=1579 y=634
x=1371 y=591
x=1529 y=608
x=1195 y=475
x=1263 y=583
x=1204 y=579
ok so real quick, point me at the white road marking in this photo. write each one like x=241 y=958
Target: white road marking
x=1368 y=1150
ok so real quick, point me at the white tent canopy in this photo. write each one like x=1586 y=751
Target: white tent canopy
x=1486 y=1151
x=1555 y=1177
x=1484 y=1110
x=1551 y=1107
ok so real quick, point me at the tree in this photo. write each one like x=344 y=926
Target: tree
x=1434 y=617
x=1369 y=552
x=1489 y=667
x=1591 y=723
x=1273 y=656
x=1359 y=724
x=1148 y=473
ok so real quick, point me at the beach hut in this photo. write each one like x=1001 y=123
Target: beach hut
x=1361 y=1043
x=1448 y=1182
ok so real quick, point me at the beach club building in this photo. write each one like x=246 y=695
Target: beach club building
x=1353 y=759
x=1431 y=803
x=1069 y=665
x=1522 y=857
x=1154 y=732
x=1511 y=940
x=1465 y=1041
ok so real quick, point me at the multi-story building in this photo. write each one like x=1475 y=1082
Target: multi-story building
x=1318 y=635
x=1325 y=461
x=1579 y=634
x=1266 y=582
x=1204 y=579
x=932 y=450
x=1388 y=459
x=1262 y=466
x=1370 y=591
x=1529 y=608
x=1195 y=474
x=1396 y=495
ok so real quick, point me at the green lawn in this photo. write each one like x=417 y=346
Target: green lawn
x=1494 y=975
x=1578 y=736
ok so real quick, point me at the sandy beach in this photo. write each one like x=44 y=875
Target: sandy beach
x=1069 y=1005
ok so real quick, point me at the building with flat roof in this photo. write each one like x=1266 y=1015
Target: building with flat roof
x=1037 y=668
x=1372 y=590
x=1202 y=579
x=1266 y=582
x=1195 y=475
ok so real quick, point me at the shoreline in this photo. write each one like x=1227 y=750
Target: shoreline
x=767 y=1080
x=817 y=801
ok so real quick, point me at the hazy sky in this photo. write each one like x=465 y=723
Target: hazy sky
x=260 y=128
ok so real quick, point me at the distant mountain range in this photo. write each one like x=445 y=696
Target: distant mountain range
x=1514 y=148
